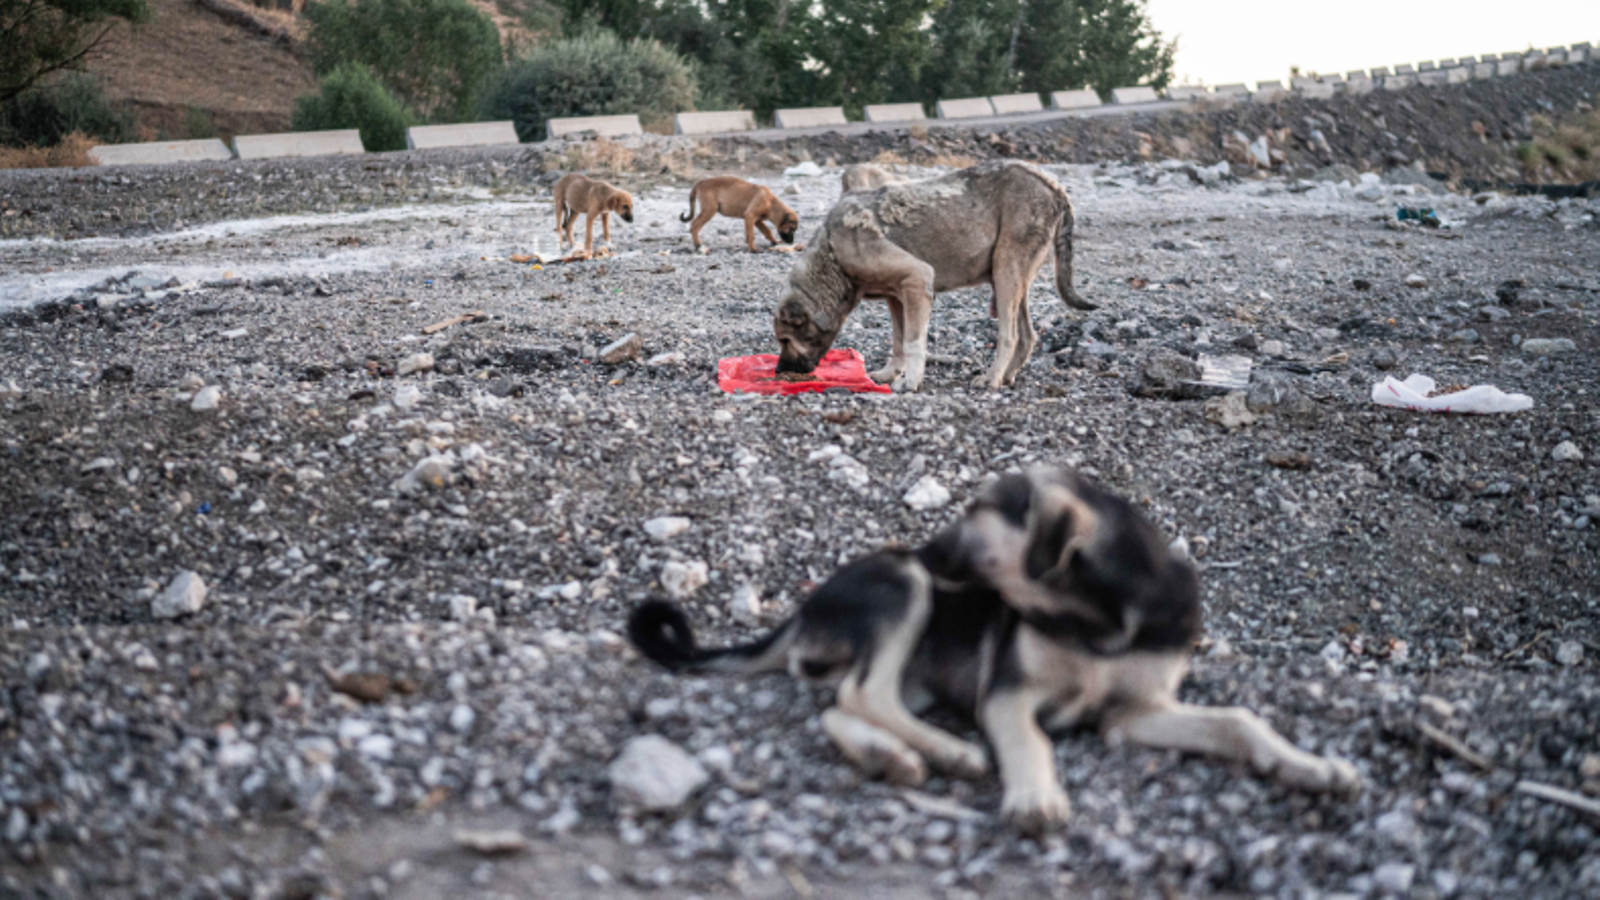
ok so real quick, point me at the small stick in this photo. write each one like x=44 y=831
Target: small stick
x=1454 y=745
x=1558 y=795
x=464 y=317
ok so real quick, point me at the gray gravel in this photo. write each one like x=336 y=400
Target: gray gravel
x=414 y=584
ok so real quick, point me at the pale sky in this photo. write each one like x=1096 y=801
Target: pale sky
x=1258 y=40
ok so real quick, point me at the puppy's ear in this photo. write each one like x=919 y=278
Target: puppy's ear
x=1063 y=524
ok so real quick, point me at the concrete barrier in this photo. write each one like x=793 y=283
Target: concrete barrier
x=1483 y=70
x=813 y=117
x=895 y=112
x=1236 y=91
x=1300 y=81
x=713 y=122
x=1432 y=76
x=1489 y=57
x=1467 y=61
x=1268 y=91
x=605 y=126
x=1012 y=104
x=1508 y=66
x=1448 y=64
x=1577 y=55
x=1426 y=67
x=1316 y=90
x=1556 y=57
x=302 y=143
x=1362 y=85
x=1457 y=75
x=470 y=134
x=1400 y=81
x=1186 y=92
x=1128 y=95
x=159 y=152
x=1405 y=69
x=1084 y=99
x=965 y=108
x=1380 y=73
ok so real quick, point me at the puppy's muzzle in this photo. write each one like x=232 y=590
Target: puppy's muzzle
x=627 y=217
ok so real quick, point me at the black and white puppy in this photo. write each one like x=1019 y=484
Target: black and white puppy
x=1051 y=603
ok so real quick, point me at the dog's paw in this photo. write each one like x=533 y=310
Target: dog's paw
x=883 y=376
x=985 y=383
x=969 y=762
x=906 y=385
x=1346 y=780
x=703 y=250
x=1034 y=811
x=1319 y=775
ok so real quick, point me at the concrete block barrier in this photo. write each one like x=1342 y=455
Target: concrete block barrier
x=1362 y=85
x=1186 y=92
x=1399 y=81
x=468 y=134
x=1457 y=75
x=1427 y=67
x=713 y=122
x=1011 y=104
x=1405 y=69
x=301 y=143
x=1380 y=73
x=965 y=108
x=1578 y=55
x=1484 y=70
x=1489 y=57
x=895 y=112
x=1234 y=91
x=812 y=117
x=1084 y=99
x=1508 y=66
x=1432 y=76
x=605 y=126
x=1467 y=61
x=160 y=152
x=1124 y=96
x=1316 y=90
x=1268 y=91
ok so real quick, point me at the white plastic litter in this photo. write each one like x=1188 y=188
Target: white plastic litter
x=807 y=169
x=1413 y=393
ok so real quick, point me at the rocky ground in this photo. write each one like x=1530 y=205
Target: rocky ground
x=415 y=571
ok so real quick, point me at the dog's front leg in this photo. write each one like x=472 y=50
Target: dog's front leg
x=588 y=234
x=897 y=347
x=766 y=232
x=1034 y=799
x=873 y=750
x=1237 y=734
x=916 y=297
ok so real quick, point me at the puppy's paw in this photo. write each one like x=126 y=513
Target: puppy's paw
x=1319 y=775
x=1031 y=812
x=968 y=762
x=1346 y=780
x=985 y=383
x=703 y=250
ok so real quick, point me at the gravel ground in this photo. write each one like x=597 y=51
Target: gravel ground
x=415 y=582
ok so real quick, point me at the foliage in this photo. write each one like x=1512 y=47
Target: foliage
x=350 y=97
x=595 y=74
x=74 y=102
x=1101 y=44
x=38 y=37
x=1569 y=152
x=434 y=55
x=197 y=124
x=72 y=151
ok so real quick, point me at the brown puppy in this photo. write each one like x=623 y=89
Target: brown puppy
x=578 y=194
x=739 y=199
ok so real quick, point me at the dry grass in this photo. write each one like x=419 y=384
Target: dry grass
x=1567 y=152
x=598 y=155
x=72 y=152
x=888 y=158
x=952 y=160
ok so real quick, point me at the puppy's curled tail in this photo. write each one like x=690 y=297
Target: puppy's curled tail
x=661 y=632
x=1064 y=263
x=694 y=195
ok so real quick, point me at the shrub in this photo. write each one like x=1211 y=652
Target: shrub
x=197 y=124
x=71 y=151
x=45 y=115
x=593 y=75
x=1566 y=152
x=349 y=97
x=434 y=55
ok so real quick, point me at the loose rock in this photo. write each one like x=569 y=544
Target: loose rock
x=622 y=349
x=654 y=775
x=184 y=596
x=926 y=494
x=207 y=399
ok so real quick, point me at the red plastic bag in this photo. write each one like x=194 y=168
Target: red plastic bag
x=757 y=375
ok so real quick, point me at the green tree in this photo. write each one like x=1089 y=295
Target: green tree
x=866 y=51
x=1068 y=44
x=350 y=97
x=72 y=101
x=436 y=56
x=38 y=37
x=592 y=75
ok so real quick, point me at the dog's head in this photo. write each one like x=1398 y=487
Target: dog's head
x=788 y=223
x=621 y=203
x=803 y=337
x=1095 y=566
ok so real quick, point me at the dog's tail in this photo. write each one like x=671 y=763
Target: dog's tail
x=1064 y=263
x=693 y=195
x=661 y=632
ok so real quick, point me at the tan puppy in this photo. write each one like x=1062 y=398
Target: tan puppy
x=578 y=194
x=739 y=199
x=866 y=176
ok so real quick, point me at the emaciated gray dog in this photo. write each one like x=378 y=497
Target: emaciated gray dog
x=994 y=223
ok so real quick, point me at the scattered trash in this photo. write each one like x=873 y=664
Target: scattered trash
x=840 y=369
x=807 y=169
x=1416 y=393
x=1426 y=216
x=472 y=316
x=1224 y=373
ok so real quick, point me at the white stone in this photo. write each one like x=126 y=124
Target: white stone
x=432 y=472
x=407 y=396
x=416 y=362
x=680 y=579
x=207 y=399
x=654 y=775
x=926 y=494
x=1394 y=878
x=671 y=358
x=502 y=842
x=1416 y=281
x=463 y=607
x=1566 y=451
x=184 y=596
x=377 y=746
x=1569 y=653
x=461 y=718
x=1547 y=346
x=745 y=605
x=665 y=528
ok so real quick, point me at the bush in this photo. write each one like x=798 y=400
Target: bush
x=434 y=55
x=596 y=74
x=71 y=152
x=349 y=97
x=44 y=116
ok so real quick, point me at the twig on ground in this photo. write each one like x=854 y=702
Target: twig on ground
x=1454 y=745
x=1559 y=795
